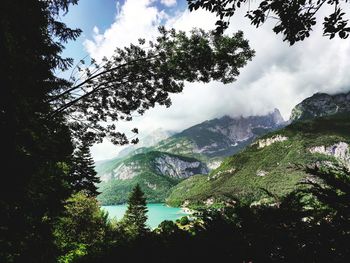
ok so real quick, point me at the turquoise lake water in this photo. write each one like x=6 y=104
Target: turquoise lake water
x=157 y=213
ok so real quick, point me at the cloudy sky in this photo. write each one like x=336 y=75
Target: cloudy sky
x=279 y=76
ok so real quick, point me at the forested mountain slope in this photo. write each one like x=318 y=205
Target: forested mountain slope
x=271 y=163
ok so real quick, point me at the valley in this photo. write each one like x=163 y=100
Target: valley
x=254 y=159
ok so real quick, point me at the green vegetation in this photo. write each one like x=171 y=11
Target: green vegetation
x=144 y=169
x=116 y=191
x=134 y=220
x=82 y=229
x=295 y=229
x=250 y=174
x=180 y=146
x=207 y=142
x=47 y=207
x=84 y=176
x=45 y=118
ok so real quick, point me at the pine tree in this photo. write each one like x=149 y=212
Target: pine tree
x=84 y=174
x=38 y=149
x=136 y=214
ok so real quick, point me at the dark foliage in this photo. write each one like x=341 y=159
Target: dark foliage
x=83 y=175
x=42 y=121
x=295 y=19
x=138 y=77
x=305 y=226
x=37 y=150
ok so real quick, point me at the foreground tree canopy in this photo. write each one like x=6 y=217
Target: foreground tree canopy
x=36 y=163
x=138 y=77
x=295 y=19
x=49 y=123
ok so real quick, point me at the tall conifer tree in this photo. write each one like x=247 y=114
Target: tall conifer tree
x=84 y=174
x=136 y=215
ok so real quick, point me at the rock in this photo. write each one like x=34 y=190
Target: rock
x=339 y=150
x=227 y=135
x=178 y=168
x=151 y=186
x=266 y=142
x=321 y=104
x=126 y=171
x=261 y=173
x=106 y=177
x=214 y=164
x=210 y=201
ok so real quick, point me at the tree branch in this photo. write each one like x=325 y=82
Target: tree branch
x=99 y=74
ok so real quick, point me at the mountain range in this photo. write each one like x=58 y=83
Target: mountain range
x=250 y=158
x=196 y=150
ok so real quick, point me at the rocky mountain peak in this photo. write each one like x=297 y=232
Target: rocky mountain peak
x=277 y=117
x=321 y=104
x=227 y=135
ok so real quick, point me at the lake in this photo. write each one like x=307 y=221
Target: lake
x=157 y=213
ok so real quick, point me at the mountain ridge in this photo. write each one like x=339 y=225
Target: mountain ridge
x=318 y=134
x=226 y=135
x=321 y=104
x=220 y=131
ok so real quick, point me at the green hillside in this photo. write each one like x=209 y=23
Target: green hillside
x=272 y=167
x=156 y=172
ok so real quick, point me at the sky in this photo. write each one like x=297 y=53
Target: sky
x=279 y=76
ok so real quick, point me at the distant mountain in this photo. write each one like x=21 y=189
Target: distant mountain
x=272 y=162
x=159 y=164
x=221 y=137
x=147 y=141
x=321 y=104
x=156 y=172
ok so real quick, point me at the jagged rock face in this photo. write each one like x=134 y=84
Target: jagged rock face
x=165 y=165
x=125 y=172
x=214 y=164
x=179 y=169
x=266 y=142
x=339 y=150
x=155 y=172
x=226 y=136
x=321 y=104
x=122 y=172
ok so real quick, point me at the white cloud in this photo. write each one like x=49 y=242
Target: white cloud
x=168 y=3
x=278 y=76
x=136 y=19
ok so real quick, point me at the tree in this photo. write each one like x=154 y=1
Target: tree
x=138 y=77
x=136 y=214
x=82 y=229
x=43 y=116
x=295 y=19
x=84 y=177
x=36 y=149
x=332 y=188
x=332 y=191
